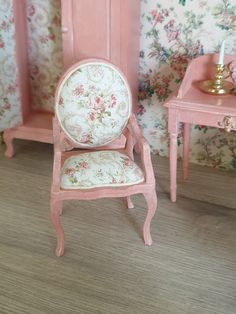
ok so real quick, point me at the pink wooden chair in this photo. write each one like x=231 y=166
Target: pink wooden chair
x=93 y=109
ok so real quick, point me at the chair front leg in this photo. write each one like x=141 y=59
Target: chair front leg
x=56 y=208
x=151 y=199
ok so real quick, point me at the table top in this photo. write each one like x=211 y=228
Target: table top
x=197 y=100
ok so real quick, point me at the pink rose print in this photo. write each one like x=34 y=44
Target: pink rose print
x=92 y=88
x=113 y=101
x=61 y=101
x=43 y=39
x=70 y=171
x=141 y=110
x=4 y=26
x=114 y=180
x=179 y=65
x=157 y=17
x=31 y=10
x=99 y=103
x=86 y=138
x=5 y=106
x=84 y=165
x=92 y=116
x=172 y=31
x=78 y=90
x=51 y=37
x=11 y=89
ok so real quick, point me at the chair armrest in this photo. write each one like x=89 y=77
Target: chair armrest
x=143 y=147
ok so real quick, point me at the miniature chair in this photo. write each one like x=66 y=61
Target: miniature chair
x=93 y=108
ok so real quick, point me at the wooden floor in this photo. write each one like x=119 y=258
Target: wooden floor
x=190 y=269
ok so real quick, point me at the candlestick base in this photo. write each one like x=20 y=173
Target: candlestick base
x=218 y=86
x=211 y=87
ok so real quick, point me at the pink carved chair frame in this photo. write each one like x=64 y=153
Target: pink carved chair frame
x=72 y=94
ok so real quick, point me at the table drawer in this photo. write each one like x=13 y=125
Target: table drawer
x=223 y=121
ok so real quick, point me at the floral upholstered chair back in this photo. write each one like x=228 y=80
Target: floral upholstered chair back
x=93 y=103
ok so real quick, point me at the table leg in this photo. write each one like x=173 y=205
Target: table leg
x=186 y=150
x=173 y=128
x=173 y=166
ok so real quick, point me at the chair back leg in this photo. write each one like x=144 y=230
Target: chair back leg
x=151 y=199
x=129 y=202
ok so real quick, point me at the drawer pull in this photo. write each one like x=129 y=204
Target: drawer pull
x=227 y=124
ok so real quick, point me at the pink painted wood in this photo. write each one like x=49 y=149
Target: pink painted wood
x=192 y=106
x=132 y=134
x=36 y=126
x=107 y=29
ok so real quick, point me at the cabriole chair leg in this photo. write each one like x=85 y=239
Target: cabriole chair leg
x=151 y=199
x=55 y=217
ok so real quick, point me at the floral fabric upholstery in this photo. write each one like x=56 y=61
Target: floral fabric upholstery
x=100 y=169
x=93 y=104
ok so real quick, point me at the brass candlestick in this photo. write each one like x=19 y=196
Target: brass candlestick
x=218 y=86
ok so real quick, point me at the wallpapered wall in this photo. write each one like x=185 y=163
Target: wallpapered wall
x=172 y=33
x=10 y=112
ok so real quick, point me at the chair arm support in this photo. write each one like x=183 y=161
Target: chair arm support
x=56 y=134
x=57 y=156
x=143 y=147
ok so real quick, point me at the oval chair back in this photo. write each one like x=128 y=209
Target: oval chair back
x=93 y=103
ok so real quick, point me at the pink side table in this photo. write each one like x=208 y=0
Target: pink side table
x=192 y=106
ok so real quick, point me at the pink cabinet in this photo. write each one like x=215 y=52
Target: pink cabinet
x=107 y=29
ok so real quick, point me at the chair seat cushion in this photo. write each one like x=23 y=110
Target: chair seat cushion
x=100 y=169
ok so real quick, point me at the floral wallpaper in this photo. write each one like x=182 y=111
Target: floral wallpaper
x=10 y=114
x=45 y=51
x=172 y=33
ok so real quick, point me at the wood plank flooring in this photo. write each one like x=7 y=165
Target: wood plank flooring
x=106 y=269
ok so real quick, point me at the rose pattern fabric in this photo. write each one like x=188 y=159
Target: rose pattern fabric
x=93 y=105
x=172 y=33
x=10 y=111
x=45 y=51
x=100 y=169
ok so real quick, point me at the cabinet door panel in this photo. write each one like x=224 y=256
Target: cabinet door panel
x=86 y=28
x=91 y=24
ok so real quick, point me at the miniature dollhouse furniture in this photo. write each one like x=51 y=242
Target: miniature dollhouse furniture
x=36 y=125
x=192 y=106
x=107 y=29
x=93 y=106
